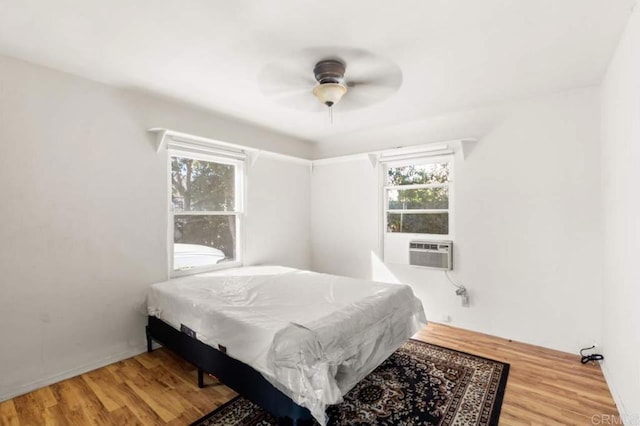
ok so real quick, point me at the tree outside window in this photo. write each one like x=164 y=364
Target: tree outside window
x=417 y=198
x=205 y=209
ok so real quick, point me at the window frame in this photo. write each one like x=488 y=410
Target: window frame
x=239 y=210
x=415 y=161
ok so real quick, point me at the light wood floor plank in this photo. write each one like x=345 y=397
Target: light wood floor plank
x=165 y=413
x=8 y=414
x=53 y=416
x=29 y=410
x=100 y=391
x=124 y=416
x=545 y=387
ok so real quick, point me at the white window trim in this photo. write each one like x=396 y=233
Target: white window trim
x=240 y=186
x=383 y=187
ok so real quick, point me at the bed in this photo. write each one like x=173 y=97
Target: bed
x=292 y=341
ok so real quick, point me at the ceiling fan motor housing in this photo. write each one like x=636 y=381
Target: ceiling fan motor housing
x=329 y=74
x=329 y=71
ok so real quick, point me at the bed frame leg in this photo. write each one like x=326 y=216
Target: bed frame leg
x=200 y=378
x=149 y=340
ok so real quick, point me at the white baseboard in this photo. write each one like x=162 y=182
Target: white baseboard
x=612 y=388
x=28 y=387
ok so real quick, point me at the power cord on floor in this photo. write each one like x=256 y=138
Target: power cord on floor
x=592 y=357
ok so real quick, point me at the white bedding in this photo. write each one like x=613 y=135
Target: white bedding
x=313 y=336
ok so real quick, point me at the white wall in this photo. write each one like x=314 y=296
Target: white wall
x=528 y=224
x=344 y=218
x=621 y=207
x=278 y=212
x=83 y=217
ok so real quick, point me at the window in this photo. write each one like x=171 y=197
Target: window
x=417 y=197
x=205 y=212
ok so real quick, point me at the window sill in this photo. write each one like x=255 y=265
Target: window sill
x=194 y=271
x=417 y=236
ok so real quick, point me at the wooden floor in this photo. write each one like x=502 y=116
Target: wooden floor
x=545 y=387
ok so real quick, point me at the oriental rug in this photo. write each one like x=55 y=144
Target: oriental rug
x=419 y=384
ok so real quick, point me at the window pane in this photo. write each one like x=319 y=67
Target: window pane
x=418 y=223
x=418 y=174
x=202 y=185
x=427 y=198
x=203 y=240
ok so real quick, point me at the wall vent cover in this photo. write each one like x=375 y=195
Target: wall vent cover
x=431 y=254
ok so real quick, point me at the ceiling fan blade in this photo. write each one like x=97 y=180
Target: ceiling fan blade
x=278 y=92
x=364 y=63
x=284 y=76
x=277 y=81
x=301 y=102
x=381 y=76
x=313 y=55
x=372 y=91
x=365 y=96
x=387 y=79
x=348 y=104
x=290 y=80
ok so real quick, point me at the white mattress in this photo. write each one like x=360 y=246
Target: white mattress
x=313 y=336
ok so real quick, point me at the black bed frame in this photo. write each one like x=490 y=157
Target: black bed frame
x=238 y=376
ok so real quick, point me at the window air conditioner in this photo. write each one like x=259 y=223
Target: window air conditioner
x=431 y=254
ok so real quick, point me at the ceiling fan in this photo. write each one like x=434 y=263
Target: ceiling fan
x=355 y=78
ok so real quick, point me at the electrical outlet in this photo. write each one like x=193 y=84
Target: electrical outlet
x=446 y=318
x=465 y=300
x=464 y=296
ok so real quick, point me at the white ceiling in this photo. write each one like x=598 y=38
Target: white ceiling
x=453 y=54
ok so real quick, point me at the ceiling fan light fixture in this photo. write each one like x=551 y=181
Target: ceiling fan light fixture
x=329 y=93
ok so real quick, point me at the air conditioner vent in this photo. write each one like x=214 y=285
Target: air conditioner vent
x=431 y=254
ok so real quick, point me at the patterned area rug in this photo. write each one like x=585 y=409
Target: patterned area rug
x=420 y=384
